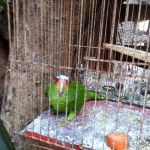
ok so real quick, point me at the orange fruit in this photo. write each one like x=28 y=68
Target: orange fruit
x=117 y=140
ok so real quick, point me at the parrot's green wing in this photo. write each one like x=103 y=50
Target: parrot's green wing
x=76 y=95
x=76 y=98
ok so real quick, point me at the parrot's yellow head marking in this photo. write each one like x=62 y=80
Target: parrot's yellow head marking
x=62 y=82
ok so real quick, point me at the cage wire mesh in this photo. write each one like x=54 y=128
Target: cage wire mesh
x=102 y=44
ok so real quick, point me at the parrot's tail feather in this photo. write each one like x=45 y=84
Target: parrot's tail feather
x=91 y=95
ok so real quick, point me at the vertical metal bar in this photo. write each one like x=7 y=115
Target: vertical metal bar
x=9 y=64
x=89 y=50
x=106 y=108
x=103 y=4
x=55 y=7
x=31 y=57
x=83 y=114
x=125 y=77
x=79 y=48
x=18 y=56
x=42 y=51
x=50 y=53
x=68 y=6
x=37 y=37
x=59 y=58
x=25 y=50
x=147 y=80
x=94 y=28
x=111 y=52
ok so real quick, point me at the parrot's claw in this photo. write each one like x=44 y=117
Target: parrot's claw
x=67 y=121
x=71 y=116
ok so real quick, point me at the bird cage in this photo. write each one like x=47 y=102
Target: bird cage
x=102 y=46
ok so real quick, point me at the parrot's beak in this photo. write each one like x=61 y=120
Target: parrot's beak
x=61 y=86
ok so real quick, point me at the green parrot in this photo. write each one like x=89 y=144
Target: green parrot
x=63 y=91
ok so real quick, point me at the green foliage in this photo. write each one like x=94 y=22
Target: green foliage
x=5 y=140
x=3 y=3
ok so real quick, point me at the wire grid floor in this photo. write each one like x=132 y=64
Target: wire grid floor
x=95 y=127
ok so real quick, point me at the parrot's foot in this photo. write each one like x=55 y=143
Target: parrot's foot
x=71 y=116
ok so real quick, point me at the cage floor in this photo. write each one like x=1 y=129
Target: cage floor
x=90 y=131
